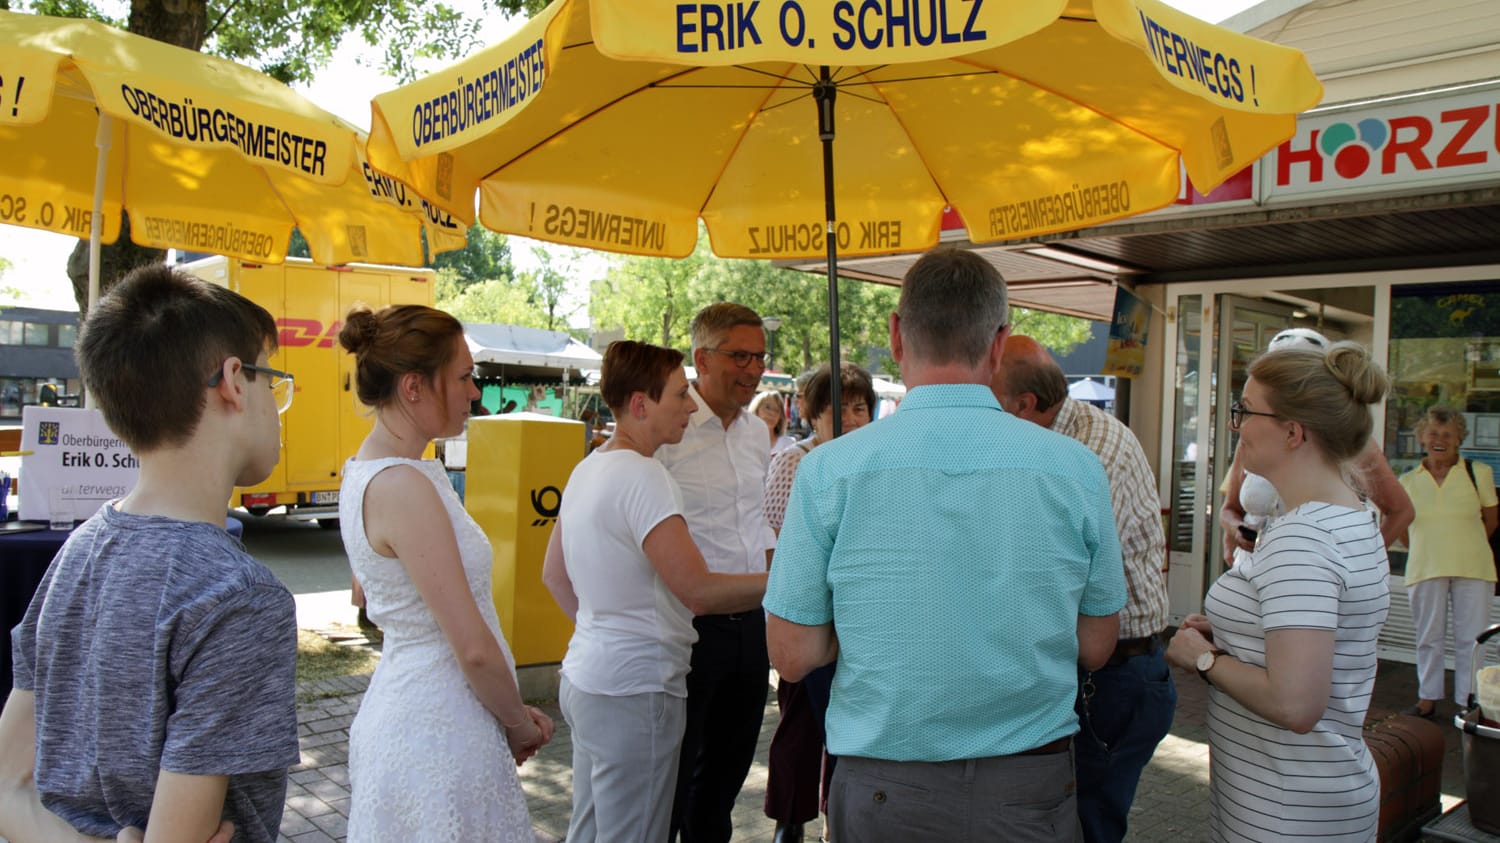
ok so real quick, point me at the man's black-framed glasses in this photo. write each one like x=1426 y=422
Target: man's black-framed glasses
x=281 y=384
x=742 y=358
x=1238 y=411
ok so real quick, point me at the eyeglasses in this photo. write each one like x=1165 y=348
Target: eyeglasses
x=1237 y=413
x=742 y=358
x=856 y=408
x=281 y=388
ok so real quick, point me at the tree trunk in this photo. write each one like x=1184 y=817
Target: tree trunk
x=179 y=22
x=114 y=262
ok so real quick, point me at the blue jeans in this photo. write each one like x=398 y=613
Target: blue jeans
x=1121 y=722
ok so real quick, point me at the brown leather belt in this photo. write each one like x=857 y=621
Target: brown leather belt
x=1049 y=748
x=1128 y=648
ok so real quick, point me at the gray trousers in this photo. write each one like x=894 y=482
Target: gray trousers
x=1015 y=798
x=625 y=752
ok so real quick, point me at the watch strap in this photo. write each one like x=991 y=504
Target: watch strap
x=1217 y=651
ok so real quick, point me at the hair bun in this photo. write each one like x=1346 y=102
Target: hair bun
x=359 y=329
x=1353 y=366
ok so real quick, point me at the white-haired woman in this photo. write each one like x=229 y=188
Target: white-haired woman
x=1449 y=569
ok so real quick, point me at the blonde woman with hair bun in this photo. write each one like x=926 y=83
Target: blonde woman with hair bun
x=434 y=748
x=1287 y=639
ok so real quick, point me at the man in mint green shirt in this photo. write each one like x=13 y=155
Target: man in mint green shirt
x=959 y=563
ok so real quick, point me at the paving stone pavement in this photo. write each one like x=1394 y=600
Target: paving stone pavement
x=1171 y=804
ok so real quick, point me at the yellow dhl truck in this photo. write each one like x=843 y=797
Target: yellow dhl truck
x=326 y=423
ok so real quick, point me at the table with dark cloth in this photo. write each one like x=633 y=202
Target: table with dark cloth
x=24 y=558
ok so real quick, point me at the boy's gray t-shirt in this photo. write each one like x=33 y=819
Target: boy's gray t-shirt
x=157 y=644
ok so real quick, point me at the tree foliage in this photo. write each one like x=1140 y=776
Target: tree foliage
x=505 y=301
x=1055 y=331
x=8 y=294
x=486 y=257
x=654 y=300
x=292 y=40
x=552 y=282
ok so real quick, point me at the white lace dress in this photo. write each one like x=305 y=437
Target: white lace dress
x=427 y=761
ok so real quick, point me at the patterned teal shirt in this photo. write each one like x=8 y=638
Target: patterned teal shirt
x=952 y=547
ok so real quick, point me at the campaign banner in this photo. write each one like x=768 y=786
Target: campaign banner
x=1125 y=354
x=75 y=451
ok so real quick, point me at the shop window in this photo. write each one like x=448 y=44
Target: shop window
x=1444 y=349
x=1190 y=402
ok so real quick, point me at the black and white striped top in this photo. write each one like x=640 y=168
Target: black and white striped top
x=1318 y=567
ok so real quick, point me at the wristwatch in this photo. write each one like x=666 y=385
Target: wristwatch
x=1206 y=663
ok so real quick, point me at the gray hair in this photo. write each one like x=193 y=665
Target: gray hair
x=713 y=323
x=952 y=305
x=1443 y=414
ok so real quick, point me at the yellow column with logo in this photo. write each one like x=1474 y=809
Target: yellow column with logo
x=517 y=467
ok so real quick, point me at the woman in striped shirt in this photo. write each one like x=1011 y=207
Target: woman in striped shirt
x=1287 y=641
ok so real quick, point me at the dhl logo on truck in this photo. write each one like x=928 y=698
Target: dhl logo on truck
x=306 y=333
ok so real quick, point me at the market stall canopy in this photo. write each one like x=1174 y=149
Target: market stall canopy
x=618 y=125
x=888 y=389
x=1090 y=390
x=533 y=348
x=206 y=155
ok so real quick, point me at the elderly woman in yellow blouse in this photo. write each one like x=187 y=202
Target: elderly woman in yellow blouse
x=1449 y=569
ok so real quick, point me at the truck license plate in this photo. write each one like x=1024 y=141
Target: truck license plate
x=325 y=497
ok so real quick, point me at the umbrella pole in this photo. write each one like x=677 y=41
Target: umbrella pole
x=102 y=139
x=96 y=219
x=823 y=94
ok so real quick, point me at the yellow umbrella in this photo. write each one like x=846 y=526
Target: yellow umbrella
x=205 y=154
x=619 y=124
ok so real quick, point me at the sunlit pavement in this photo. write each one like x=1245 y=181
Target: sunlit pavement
x=1171 y=804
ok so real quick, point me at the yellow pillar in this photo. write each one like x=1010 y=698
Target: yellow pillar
x=517 y=467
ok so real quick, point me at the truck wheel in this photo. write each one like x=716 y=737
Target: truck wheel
x=328 y=523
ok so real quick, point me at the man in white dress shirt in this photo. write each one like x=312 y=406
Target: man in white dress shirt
x=720 y=465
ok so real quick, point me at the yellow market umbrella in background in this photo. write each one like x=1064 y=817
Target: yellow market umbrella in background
x=619 y=124
x=205 y=154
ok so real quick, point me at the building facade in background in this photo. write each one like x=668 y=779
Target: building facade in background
x=36 y=348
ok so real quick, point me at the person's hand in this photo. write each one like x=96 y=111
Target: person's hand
x=1201 y=623
x=131 y=834
x=526 y=737
x=1185 y=648
x=544 y=723
x=1233 y=538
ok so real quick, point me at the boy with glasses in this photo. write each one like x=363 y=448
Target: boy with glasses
x=155 y=669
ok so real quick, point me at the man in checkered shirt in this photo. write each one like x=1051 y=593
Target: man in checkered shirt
x=1124 y=708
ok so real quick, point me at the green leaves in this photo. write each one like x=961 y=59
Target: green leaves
x=485 y=257
x=292 y=40
x=654 y=300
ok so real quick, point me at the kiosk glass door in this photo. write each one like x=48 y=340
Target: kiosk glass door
x=1246 y=327
x=1210 y=372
